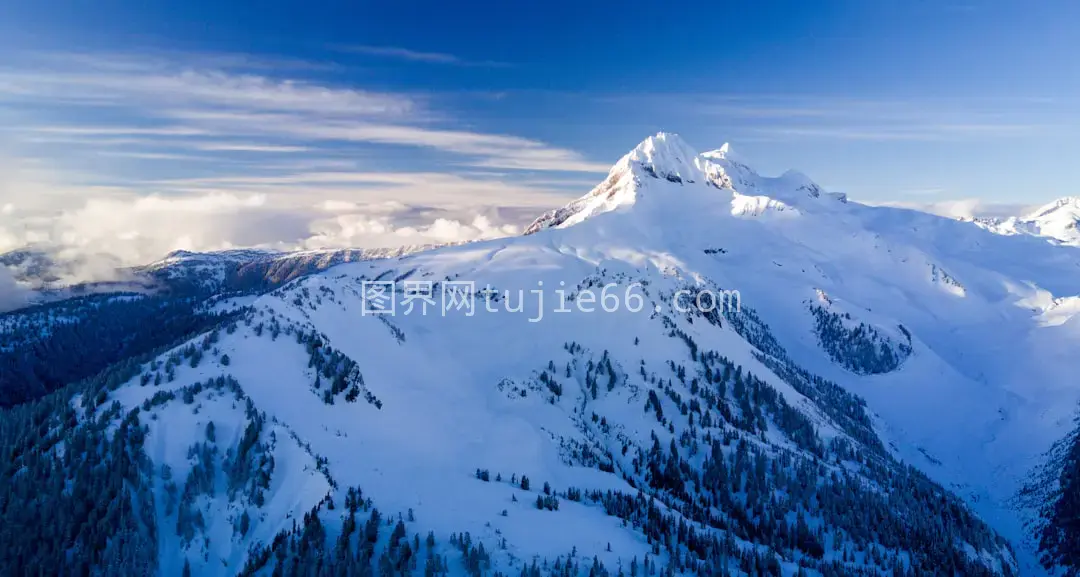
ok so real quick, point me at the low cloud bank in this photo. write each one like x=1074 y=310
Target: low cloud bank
x=12 y=295
x=95 y=241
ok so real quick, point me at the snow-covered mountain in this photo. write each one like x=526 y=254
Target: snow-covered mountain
x=1057 y=221
x=866 y=394
x=667 y=157
x=53 y=277
x=248 y=269
x=62 y=331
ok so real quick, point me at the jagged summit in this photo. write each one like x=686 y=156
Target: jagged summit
x=659 y=160
x=664 y=164
x=228 y=254
x=667 y=155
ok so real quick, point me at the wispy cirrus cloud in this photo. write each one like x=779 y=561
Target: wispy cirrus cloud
x=247 y=147
x=477 y=149
x=912 y=132
x=173 y=101
x=966 y=208
x=796 y=117
x=173 y=85
x=399 y=53
x=96 y=131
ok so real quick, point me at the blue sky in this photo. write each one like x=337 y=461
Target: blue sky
x=359 y=123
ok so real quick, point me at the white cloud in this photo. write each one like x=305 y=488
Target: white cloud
x=303 y=210
x=419 y=56
x=439 y=190
x=139 y=230
x=167 y=103
x=795 y=117
x=364 y=230
x=249 y=147
x=158 y=85
x=332 y=205
x=486 y=150
x=12 y=295
x=964 y=208
x=907 y=132
x=119 y=131
x=150 y=155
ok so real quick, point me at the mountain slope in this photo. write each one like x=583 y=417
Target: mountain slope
x=75 y=331
x=721 y=443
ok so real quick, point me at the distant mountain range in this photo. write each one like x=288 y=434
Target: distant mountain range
x=53 y=277
x=1056 y=221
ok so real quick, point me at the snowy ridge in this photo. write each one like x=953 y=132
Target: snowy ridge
x=236 y=269
x=651 y=172
x=1066 y=207
x=665 y=157
x=54 y=278
x=1058 y=221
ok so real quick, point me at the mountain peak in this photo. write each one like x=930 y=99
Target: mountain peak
x=666 y=154
x=663 y=165
x=663 y=139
